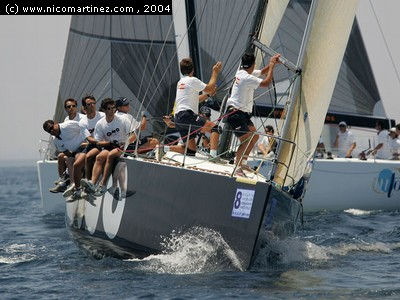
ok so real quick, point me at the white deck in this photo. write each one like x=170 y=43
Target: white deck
x=202 y=163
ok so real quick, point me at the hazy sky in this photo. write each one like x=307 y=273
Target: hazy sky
x=31 y=57
x=32 y=52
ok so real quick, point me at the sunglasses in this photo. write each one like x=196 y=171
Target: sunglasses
x=110 y=108
x=90 y=103
x=50 y=129
x=69 y=106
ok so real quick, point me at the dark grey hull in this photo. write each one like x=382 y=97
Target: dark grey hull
x=169 y=199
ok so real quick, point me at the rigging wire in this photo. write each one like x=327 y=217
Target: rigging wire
x=385 y=41
x=171 y=60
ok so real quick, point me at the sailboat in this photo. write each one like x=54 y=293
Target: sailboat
x=136 y=56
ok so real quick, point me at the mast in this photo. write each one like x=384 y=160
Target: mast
x=226 y=135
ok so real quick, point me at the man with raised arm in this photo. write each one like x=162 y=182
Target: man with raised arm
x=187 y=108
x=240 y=104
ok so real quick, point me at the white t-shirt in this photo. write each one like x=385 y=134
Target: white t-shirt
x=77 y=118
x=383 y=138
x=72 y=135
x=187 y=94
x=265 y=141
x=394 y=146
x=243 y=90
x=345 y=141
x=90 y=124
x=116 y=130
x=133 y=123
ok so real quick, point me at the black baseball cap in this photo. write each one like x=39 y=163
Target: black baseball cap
x=122 y=102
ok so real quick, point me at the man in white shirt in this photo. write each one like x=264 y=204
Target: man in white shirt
x=69 y=137
x=89 y=121
x=71 y=107
x=394 y=144
x=187 y=108
x=381 y=151
x=267 y=144
x=146 y=144
x=111 y=133
x=240 y=103
x=345 y=142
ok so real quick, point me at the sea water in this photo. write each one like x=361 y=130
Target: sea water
x=347 y=254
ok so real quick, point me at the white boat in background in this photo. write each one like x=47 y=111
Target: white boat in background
x=344 y=183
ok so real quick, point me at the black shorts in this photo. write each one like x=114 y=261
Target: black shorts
x=90 y=147
x=184 y=120
x=239 y=121
x=142 y=141
x=81 y=149
x=110 y=147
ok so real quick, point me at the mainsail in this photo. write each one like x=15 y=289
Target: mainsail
x=121 y=56
x=323 y=54
x=223 y=30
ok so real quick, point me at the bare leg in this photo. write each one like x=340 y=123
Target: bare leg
x=61 y=164
x=181 y=148
x=69 y=161
x=214 y=139
x=117 y=174
x=247 y=143
x=78 y=168
x=122 y=176
x=89 y=162
x=98 y=165
x=252 y=142
x=112 y=155
x=177 y=148
x=150 y=145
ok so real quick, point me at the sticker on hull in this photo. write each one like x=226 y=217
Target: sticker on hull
x=242 y=203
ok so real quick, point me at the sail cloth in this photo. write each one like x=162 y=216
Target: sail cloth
x=355 y=92
x=119 y=56
x=329 y=33
x=223 y=31
x=272 y=19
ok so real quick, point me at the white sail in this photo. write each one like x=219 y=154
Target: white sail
x=180 y=26
x=329 y=33
x=272 y=19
